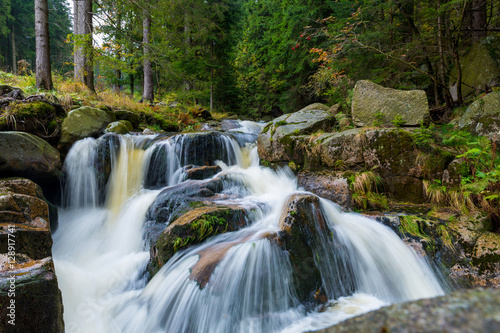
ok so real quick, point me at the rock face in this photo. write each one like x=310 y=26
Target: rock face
x=483 y=116
x=479 y=70
x=25 y=155
x=462 y=311
x=370 y=100
x=130 y=116
x=329 y=185
x=81 y=123
x=274 y=140
x=25 y=262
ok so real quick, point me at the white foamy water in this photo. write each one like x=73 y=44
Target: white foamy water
x=100 y=254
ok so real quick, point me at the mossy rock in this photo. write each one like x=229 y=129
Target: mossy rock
x=192 y=228
x=483 y=115
x=81 y=123
x=461 y=311
x=487 y=252
x=25 y=155
x=39 y=117
x=371 y=100
x=119 y=127
x=480 y=69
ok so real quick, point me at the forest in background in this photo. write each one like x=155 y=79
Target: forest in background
x=256 y=57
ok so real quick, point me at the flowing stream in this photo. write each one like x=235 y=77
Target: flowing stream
x=101 y=248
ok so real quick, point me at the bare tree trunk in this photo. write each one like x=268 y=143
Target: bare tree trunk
x=78 y=52
x=43 y=69
x=147 y=93
x=83 y=53
x=14 y=52
x=132 y=79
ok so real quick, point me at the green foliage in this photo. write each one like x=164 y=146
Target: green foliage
x=398 y=121
x=207 y=226
x=379 y=116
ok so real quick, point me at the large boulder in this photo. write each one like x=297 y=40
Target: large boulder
x=26 y=266
x=275 y=142
x=483 y=116
x=130 y=116
x=81 y=123
x=480 y=70
x=372 y=103
x=25 y=155
x=462 y=311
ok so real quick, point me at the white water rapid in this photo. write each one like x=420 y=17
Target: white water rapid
x=101 y=250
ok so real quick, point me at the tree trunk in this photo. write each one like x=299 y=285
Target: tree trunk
x=83 y=53
x=43 y=69
x=442 y=64
x=132 y=79
x=147 y=93
x=14 y=52
x=479 y=19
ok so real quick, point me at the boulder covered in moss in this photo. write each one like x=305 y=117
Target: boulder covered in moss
x=193 y=227
x=35 y=115
x=81 y=123
x=483 y=116
x=119 y=127
x=372 y=103
x=25 y=155
x=275 y=142
x=461 y=311
x=480 y=70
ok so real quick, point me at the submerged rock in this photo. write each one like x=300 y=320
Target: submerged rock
x=372 y=103
x=462 y=311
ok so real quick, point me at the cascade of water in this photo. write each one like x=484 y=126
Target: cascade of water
x=81 y=190
x=239 y=281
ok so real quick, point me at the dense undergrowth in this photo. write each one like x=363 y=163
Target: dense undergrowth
x=169 y=113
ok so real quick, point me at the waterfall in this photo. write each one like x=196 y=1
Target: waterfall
x=239 y=281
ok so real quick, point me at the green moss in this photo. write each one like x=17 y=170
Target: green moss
x=281 y=123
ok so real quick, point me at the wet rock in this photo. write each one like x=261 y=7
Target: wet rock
x=483 y=116
x=462 y=311
x=373 y=103
x=329 y=185
x=276 y=141
x=303 y=233
x=26 y=155
x=82 y=123
x=37 y=301
x=203 y=172
x=192 y=228
x=25 y=260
